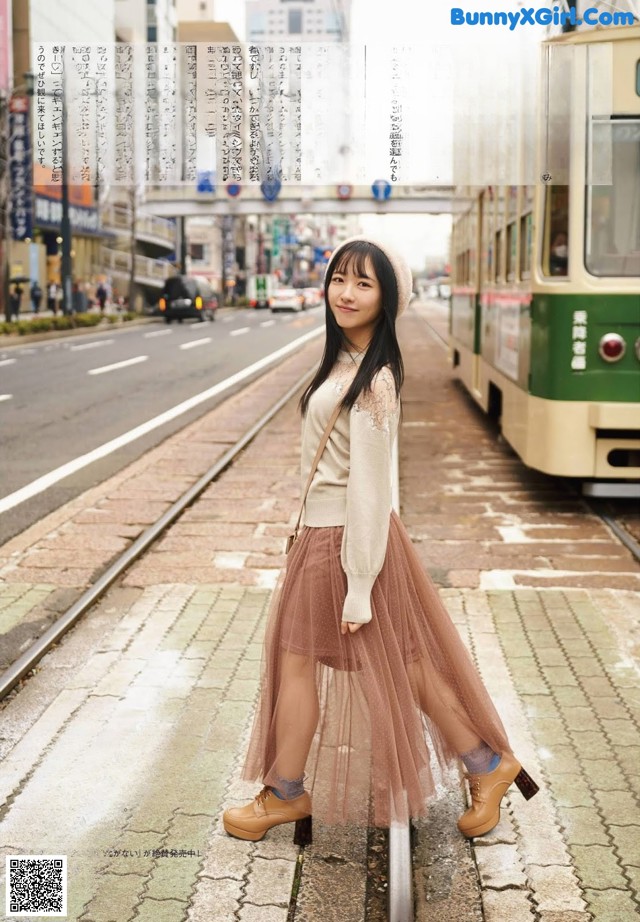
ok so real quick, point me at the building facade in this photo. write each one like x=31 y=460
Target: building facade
x=298 y=20
x=196 y=10
x=145 y=20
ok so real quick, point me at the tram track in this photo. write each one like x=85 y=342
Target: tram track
x=604 y=513
x=56 y=631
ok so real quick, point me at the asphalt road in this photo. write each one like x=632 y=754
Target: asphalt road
x=62 y=398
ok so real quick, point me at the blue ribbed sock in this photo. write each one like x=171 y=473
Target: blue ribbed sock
x=289 y=789
x=481 y=759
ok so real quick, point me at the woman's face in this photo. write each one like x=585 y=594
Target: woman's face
x=355 y=300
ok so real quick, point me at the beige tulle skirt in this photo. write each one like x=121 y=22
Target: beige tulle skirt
x=375 y=718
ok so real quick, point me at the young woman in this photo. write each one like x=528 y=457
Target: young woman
x=367 y=686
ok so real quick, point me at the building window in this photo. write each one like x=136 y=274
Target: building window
x=196 y=252
x=152 y=34
x=295 y=22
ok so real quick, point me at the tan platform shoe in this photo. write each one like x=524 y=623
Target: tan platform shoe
x=266 y=810
x=487 y=790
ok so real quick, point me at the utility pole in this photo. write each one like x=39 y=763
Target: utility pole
x=133 y=209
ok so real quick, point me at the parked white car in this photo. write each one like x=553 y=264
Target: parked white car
x=287 y=299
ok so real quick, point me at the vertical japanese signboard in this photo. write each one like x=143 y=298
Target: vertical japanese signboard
x=20 y=169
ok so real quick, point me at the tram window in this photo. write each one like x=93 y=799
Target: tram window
x=555 y=259
x=462 y=268
x=498 y=255
x=526 y=227
x=613 y=199
x=512 y=242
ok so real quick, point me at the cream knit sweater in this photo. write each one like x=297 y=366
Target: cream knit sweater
x=352 y=485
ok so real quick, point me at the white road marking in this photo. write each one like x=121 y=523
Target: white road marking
x=156 y=333
x=7 y=362
x=196 y=342
x=71 y=467
x=240 y=331
x=94 y=345
x=5 y=397
x=267 y=323
x=105 y=368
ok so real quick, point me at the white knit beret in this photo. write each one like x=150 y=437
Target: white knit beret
x=401 y=269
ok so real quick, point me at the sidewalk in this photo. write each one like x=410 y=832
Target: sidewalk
x=123 y=748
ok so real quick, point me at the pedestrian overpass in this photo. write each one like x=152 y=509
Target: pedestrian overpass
x=180 y=201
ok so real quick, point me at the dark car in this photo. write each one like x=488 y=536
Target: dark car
x=188 y=296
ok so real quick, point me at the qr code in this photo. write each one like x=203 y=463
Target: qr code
x=36 y=885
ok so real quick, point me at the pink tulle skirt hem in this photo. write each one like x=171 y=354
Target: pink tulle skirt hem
x=374 y=718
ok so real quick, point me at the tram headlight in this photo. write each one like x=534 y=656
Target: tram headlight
x=612 y=347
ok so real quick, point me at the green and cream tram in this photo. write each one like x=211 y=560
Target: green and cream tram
x=545 y=307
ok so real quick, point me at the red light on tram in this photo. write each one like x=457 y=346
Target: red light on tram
x=612 y=347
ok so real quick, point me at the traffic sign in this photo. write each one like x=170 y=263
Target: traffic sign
x=381 y=189
x=344 y=191
x=205 y=181
x=270 y=189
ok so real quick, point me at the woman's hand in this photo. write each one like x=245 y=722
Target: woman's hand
x=349 y=626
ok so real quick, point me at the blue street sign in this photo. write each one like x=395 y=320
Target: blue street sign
x=270 y=189
x=233 y=189
x=206 y=181
x=381 y=189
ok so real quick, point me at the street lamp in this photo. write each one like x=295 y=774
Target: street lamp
x=65 y=223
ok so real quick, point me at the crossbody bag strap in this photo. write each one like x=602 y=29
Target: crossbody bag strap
x=316 y=460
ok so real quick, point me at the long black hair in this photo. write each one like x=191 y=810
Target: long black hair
x=383 y=348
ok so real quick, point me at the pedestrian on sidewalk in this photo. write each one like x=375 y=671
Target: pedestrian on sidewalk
x=366 y=682
x=15 y=299
x=36 y=296
x=52 y=298
x=101 y=295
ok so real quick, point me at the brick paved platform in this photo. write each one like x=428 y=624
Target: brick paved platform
x=123 y=748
